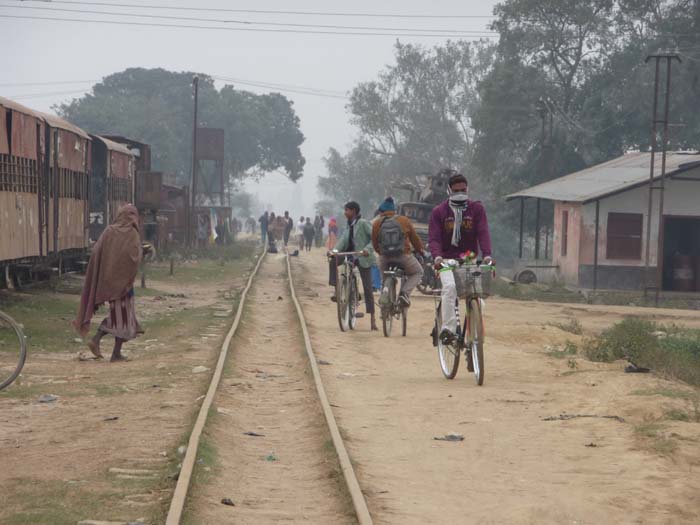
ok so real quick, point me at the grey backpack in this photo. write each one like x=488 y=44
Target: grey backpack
x=391 y=237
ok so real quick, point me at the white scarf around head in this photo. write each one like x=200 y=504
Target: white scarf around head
x=458 y=204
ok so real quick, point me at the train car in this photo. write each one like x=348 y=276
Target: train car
x=112 y=182
x=44 y=180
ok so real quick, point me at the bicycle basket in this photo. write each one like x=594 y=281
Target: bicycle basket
x=469 y=285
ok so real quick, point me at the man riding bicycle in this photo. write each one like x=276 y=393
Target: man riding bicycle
x=392 y=238
x=357 y=237
x=457 y=226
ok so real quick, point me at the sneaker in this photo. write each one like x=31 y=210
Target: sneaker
x=447 y=337
x=404 y=300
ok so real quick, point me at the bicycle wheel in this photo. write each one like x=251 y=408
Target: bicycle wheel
x=476 y=339
x=447 y=354
x=341 y=297
x=404 y=320
x=352 y=301
x=388 y=308
x=13 y=350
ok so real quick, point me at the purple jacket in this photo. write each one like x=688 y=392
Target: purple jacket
x=475 y=231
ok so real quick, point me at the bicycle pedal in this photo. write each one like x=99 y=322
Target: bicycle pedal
x=359 y=315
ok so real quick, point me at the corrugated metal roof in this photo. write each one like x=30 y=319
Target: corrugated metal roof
x=114 y=146
x=51 y=120
x=15 y=106
x=614 y=176
x=57 y=122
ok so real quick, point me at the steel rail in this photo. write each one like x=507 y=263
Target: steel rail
x=177 y=504
x=358 y=498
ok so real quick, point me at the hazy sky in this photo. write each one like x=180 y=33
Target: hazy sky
x=48 y=52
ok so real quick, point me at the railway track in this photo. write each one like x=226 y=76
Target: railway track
x=304 y=430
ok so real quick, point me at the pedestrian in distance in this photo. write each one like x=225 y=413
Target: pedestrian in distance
x=300 y=233
x=288 y=227
x=110 y=277
x=309 y=234
x=332 y=233
x=264 y=220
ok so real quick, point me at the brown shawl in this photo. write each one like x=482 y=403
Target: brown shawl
x=113 y=266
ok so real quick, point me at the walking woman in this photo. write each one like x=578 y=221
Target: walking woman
x=110 y=278
x=332 y=234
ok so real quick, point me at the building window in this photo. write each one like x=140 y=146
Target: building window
x=625 y=236
x=564 y=232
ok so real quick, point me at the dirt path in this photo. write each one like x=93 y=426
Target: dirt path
x=513 y=467
x=106 y=448
x=289 y=472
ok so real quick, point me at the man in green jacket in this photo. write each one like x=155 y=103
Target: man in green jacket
x=357 y=237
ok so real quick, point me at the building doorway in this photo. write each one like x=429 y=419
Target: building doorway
x=681 y=254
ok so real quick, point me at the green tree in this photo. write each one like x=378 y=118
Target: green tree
x=360 y=175
x=155 y=106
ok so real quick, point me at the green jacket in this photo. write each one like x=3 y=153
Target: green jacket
x=363 y=241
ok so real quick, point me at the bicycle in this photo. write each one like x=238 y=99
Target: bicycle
x=391 y=307
x=473 y=282
x=13 y=350
x=346 y=291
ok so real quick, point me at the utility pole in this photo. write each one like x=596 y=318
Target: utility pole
x=193 y=194
x=654 y=280
x=545 y=162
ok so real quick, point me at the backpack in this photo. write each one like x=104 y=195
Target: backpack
x=391 y=237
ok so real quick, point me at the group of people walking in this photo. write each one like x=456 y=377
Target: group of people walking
x=280 y=228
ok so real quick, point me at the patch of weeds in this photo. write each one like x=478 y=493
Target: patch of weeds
x=651 y=432
x=675 y=414
x=568 y=350
x=648 y=428
x=665 y=392
x=573 y=326
x=572 y=363
x=669 y=350
x=33 y=501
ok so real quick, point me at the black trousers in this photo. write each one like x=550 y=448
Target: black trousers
x=365 y=276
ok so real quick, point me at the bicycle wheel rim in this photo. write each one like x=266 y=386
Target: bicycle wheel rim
x=404 y=321
x=476 y=340
x=388 y=309
x=448 y=355
x=341 y=302
x=352 y=302
x=13 y=350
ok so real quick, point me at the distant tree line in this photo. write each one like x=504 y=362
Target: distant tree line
x=486 y=107
x=155 y=106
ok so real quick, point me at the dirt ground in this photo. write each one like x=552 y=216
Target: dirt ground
x=106 y=449
x=288 y=472
x=514 y=466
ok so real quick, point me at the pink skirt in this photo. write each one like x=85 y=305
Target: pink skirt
x=121 y=321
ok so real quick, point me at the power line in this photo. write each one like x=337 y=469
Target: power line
x=247 y=22
x=264 y=11
x=280 y=86
x=251 y=30
x=18 y=84
x=43 y=95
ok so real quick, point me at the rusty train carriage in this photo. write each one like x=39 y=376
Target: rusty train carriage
x=113 y=170
x=44 y=180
